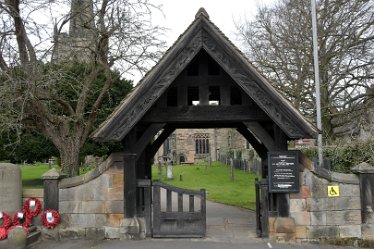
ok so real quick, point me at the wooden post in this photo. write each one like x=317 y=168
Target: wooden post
x=156 y=207
x=130 y=185
x=258 y=208
x=203 y=209
x=146 y=186
x=264 y=208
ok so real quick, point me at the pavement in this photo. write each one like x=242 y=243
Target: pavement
x=227 y=227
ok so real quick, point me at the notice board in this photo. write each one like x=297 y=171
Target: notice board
x=283 y=172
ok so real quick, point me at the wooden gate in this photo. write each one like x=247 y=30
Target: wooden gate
x=184 y=218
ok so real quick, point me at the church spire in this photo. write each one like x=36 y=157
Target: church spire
x=82 y=18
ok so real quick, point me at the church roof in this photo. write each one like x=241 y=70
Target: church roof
x=203 y=34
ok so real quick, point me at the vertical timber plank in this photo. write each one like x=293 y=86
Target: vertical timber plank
x=192 y=204
x=147 y=209
x=203 y=211
x=156 y=208
x=180 y=202
x=168 y=200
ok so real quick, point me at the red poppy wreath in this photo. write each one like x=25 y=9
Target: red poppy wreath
x=50 y=218
x=3 y=233
x=21 y=218
x=32 y=206
x=6 y=220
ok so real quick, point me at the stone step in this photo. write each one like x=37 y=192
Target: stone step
x=33 y=237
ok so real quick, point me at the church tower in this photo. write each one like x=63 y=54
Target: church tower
x=81 y=19
x=78 y=44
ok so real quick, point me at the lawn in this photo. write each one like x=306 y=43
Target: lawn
x=32 y=175
x=216 y=180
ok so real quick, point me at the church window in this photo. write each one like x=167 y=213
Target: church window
x=201 y=144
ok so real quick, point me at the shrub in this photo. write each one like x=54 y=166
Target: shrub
x=343 y=158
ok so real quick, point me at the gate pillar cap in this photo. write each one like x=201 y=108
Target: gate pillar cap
x=52 y=174
x=363 y=168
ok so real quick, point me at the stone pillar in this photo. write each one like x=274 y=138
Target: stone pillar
x=51 y=198
x=366 y=178
x=10 y=188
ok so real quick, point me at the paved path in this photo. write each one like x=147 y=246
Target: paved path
x=230 y=224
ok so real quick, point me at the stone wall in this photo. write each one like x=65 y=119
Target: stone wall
x=314 y=215
x=318 y=216
x=92 y=205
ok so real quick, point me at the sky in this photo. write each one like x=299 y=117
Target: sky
x=178 y=15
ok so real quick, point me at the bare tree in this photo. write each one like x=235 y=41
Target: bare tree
x=55 y=79
x=279 y=42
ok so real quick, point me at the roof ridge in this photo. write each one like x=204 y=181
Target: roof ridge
x=200 y=12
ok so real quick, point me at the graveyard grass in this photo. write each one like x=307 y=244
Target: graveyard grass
x=32 y=175
x=216 y=180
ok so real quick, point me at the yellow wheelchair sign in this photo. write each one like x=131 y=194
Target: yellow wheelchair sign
x=333 y=191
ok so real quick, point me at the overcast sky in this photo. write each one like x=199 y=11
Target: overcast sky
x=180 y=14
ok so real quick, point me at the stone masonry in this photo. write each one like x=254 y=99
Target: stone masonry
x=92 y=205
x=317 y=215
x=314 y=215
x=182 y=144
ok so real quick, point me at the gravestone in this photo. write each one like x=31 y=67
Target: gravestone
x=169 y=170
x=10 y=188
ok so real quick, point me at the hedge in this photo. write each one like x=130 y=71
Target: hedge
x=344 y=157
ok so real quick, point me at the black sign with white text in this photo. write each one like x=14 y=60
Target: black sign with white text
x=283 y=172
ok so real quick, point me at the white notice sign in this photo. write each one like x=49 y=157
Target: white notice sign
x=20 y=215
x=32 y=203
x=1 y=215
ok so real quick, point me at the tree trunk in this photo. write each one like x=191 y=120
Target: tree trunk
x=70 y=159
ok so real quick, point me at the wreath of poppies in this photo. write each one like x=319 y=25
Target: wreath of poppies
x=50 y=218
x=32 y=206
x=23 y=227
x=3 y=233
x=6 y=220
x=24 y=221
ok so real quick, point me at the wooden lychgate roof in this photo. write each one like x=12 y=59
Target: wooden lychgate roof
x=202 y=34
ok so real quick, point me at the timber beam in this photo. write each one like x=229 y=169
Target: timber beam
x=188 y=114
